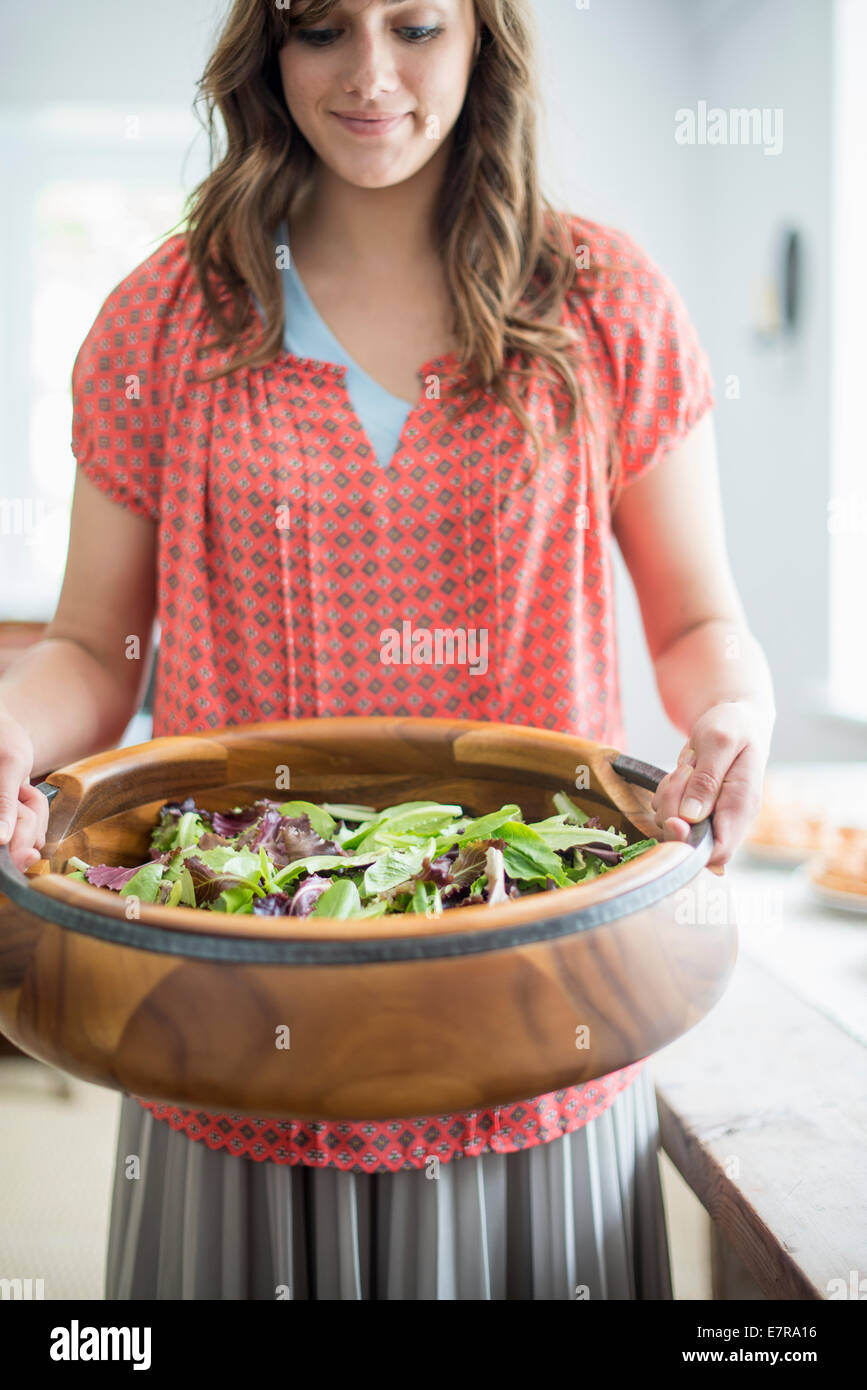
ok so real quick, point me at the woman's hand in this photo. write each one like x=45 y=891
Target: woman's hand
x=720 y=771
x=23 y=809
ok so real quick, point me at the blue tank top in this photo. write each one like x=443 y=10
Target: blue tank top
x=307 y=335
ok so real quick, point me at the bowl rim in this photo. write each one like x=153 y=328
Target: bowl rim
x=424 y=944
x=186 y=931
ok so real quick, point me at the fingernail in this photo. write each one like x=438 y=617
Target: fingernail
x=690 y=808
x=5 y=831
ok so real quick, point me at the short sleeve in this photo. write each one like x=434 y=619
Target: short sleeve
x=660 y=376
x=122 y=383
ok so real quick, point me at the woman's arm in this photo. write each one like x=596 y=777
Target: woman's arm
x=712 y=676
x=75 y=691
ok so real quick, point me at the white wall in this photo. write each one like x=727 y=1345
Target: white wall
x=614 y=76
x=775 y=440
x=102 y=51
x=76 y=81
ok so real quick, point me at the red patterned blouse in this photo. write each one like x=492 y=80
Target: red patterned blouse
x=286 y=549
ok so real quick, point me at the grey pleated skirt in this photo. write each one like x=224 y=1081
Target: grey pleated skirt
x=580 y=1217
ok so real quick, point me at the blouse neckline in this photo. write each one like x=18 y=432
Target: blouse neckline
x=343 y=362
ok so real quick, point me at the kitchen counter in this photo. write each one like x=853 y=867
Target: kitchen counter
x=763 y=1105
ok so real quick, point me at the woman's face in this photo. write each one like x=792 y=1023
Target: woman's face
x=408 y=60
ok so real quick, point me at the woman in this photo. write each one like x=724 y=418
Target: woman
x=265 y=467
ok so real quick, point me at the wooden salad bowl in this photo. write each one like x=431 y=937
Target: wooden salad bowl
x=386 y=1017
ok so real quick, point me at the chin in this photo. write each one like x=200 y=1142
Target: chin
x=371 y=177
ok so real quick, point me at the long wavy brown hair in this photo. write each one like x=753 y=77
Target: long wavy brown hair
x=507 y=255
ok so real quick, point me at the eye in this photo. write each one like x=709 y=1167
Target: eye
x=419 y=33
x=317 y=38
x=416 y=33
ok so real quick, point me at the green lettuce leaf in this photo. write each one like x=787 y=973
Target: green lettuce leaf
x=410 y=818
x=482 y=828
x=188 y=892
x=638 y=848
x=177 y=832
x=322 y=822
x=348 y=812
x=566 y=806
x=395 y=867
x=526 y=855
x=145 y=884
x=340 y=900
x=238 y=898
x=558 y=835
x=322 y=863
x=426 y=898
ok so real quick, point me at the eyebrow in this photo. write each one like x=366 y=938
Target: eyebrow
x=389 y=5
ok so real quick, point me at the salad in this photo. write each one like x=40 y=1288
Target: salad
x=298 y=859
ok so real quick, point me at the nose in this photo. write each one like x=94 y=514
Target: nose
x=369 y=69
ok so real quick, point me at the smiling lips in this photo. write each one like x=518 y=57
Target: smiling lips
x=369 y=125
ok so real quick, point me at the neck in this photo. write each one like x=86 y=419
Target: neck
x=375 y=230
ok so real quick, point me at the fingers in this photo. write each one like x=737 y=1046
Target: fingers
x=37 y=802
x=22 y=845
x=737 y=806
x=675 y=829
x=24 y=813
x=668 y=795
x=719 y=775
x=13 y=771
x=14 y=833
x=725 y=781
x=667 y=799
x=717 y=749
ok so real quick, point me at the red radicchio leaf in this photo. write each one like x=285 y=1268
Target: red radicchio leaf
x=261 y=834
x=272 y=905
x=307 y=895
x=230 y=823
x=603 y=852
x=300 y=840
x=208 y=884
x=107 y=876
x=211 y=841
x=439 y=870
x=285 y=839
x=470 y=864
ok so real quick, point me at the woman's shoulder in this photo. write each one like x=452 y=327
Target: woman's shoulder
x=158 y=282
x=624 y=307
x=612 y=268
x=630 y=317
x=150 y=312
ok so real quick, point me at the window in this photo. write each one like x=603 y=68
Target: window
x=847 y=507
x=92 y=192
